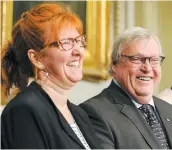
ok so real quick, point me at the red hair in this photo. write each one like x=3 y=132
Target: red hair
x=36 y=28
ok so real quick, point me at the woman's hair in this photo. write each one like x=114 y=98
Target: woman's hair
x=35 y=29
x=127 y=37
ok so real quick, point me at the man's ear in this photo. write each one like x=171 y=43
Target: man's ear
x=34 y=58
x=114 y=69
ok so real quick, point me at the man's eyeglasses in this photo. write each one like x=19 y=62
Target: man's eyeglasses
x=137 y=61
x=68 y=44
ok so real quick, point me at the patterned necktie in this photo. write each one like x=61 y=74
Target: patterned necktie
x=151 y=118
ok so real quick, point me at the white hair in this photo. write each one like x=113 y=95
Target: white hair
x=127 y=37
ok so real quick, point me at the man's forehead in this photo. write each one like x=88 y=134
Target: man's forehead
x=139 y=46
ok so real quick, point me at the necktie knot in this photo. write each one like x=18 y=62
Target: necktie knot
x=146 y=108
x=148 y=113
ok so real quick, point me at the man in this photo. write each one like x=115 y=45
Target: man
x=126 y=115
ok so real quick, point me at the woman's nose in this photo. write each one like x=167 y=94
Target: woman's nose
x=77 y=50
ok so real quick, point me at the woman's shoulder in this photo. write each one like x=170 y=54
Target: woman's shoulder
x=29 y=99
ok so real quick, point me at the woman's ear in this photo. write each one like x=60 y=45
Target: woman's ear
x=34 y=58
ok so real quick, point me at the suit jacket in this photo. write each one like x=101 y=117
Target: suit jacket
x=32 y=121
x=119 y=124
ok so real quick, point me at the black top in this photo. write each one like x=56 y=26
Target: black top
x=32 y=121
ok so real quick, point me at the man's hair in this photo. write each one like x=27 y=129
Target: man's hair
x=127 y=37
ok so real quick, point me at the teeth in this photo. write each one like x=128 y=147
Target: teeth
x=73 y=64
x=144 y=78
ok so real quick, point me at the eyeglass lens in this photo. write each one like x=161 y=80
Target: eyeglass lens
x=68 y=44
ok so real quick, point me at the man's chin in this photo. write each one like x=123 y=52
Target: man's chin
x=144 y=91
x=142 y=98
x=143 y=94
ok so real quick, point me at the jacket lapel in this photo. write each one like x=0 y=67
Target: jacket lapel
x=130 y=111
x=165 y=113
x=69 y=130
x=83 y=126
x=135 y=116
x=71 y=133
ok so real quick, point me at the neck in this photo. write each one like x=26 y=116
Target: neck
x=59 y=98
x=56 y=93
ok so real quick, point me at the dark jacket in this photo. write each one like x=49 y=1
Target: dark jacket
x=119 y=124
x=32 y=121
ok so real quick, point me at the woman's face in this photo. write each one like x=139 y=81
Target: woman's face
x=64 y=67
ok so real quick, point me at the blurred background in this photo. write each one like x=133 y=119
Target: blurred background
x=103 y=21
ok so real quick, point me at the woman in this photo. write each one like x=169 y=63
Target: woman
x=47 y=43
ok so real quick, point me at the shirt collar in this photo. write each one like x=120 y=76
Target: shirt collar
x=151 y=102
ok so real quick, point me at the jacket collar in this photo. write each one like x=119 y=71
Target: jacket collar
x=85 y=125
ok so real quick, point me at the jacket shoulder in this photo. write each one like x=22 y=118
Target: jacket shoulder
x=159 y=100
x=98 y=103
x=28 y=98
x=162 y=103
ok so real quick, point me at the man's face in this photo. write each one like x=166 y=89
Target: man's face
x=140 y=81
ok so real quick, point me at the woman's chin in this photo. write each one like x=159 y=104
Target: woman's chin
x=75 y=79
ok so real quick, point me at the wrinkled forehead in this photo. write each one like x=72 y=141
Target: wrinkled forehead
x=142 y=46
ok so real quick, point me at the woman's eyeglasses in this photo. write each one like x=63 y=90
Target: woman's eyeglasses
x=68 y=44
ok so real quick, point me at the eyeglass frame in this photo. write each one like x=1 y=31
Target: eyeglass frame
x=59 y=42
x=143 y=59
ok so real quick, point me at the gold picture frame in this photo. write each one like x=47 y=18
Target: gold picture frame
x=6 y=21
x=97 y=54
x=6 y=8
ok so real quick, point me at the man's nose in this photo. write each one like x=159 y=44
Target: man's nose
x=146 y=66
